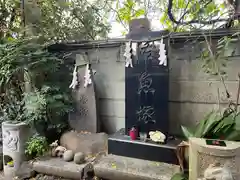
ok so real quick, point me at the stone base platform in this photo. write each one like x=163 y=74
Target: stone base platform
x=114 y=167
x=121 y=145
x=58 y=167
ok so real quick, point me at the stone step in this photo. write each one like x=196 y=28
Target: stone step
x=115 y=167
x=58 y=167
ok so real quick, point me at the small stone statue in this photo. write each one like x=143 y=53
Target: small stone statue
x=57 y=151
x=216 y=172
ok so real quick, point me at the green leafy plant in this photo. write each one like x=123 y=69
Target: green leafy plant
x=13 y=109
x=46 y=108
x=54 y=19
x=213 y=55
x=216 y=126
x=36 y=146
x=25 y=60
x=129 y=11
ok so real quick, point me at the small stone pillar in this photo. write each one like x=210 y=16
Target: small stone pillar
x=14 y=138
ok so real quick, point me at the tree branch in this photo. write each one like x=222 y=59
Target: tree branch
x=88 y=31
x=193 y=21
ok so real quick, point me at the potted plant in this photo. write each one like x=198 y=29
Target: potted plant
x=15 y=131
x=215 y=125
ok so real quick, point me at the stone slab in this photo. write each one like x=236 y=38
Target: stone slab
x=60 y=168
x=25 y=171
x=85 y=116
x=118 y=168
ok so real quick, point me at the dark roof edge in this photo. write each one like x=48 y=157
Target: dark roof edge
x=116 y=42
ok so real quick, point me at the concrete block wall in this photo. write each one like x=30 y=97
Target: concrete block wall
x=110 y=84
x=192 y=92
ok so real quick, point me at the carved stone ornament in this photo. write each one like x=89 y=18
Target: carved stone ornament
x=11 y=140
x=216 y=172
x=162 y=54
x=128 y=54
x=75 y=82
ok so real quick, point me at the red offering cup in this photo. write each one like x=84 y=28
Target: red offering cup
x=133 y=133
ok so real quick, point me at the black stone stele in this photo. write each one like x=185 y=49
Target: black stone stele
x=146 y=105
x=146 y=91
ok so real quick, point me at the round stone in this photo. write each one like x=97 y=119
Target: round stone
x=79 y=158
x=68 y=155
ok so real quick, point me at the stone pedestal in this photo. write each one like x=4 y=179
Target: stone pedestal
x=203 y=156
x=14 y=140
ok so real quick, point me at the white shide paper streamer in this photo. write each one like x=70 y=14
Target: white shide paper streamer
x=87 y=77
x=128 y=54
x=75 y=82
x=162 y=54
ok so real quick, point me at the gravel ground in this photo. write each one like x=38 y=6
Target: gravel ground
x=38 y=177
x=42 y=177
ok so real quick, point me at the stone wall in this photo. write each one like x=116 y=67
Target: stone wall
x=192 y=92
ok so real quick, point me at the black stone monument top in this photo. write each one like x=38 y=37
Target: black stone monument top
x=147 y=88
x=137 y=26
